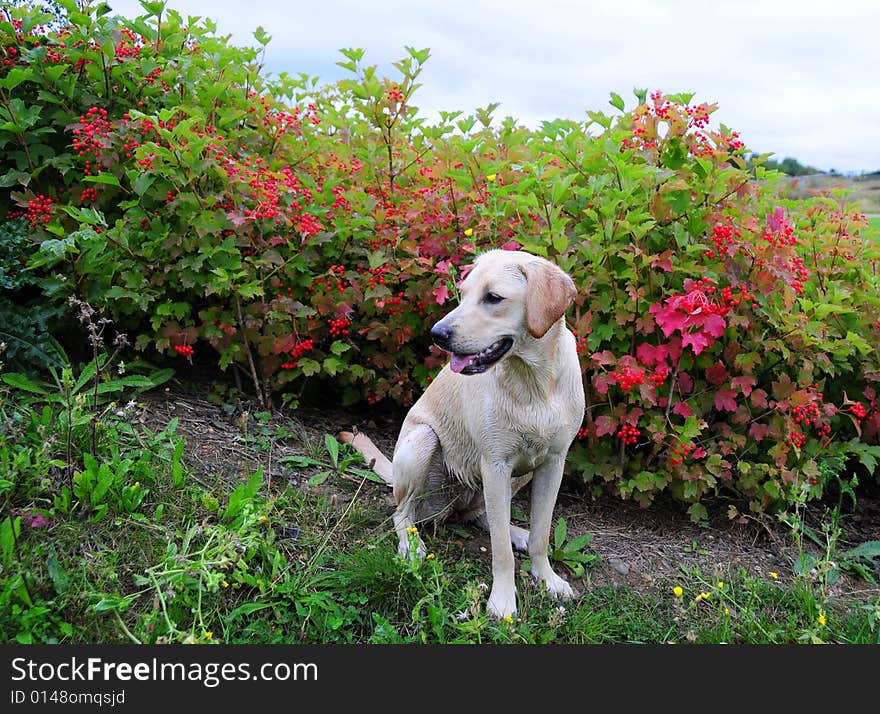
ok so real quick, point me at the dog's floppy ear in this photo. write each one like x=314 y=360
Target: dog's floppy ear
x=550 y=292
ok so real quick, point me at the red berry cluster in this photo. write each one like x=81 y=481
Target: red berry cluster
x=89 y=195
x=629 y=434
x=801 y=274
x=859 y=411
x=808 y=415
x=394 y=306
x=298 y=350
x=394 y=94
x=582 y=347
x=629 y=378
x=91 y=137
x=39 y=210
x=797 y=439
x=680 y=453
x=726 y=240
x=10 y=56
x=333 y=281
x=185 y=350
x=583 y=433
x=129 y=46
x=386 y=237
x=339 y=327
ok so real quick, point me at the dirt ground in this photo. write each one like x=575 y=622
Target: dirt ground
x=639 y=547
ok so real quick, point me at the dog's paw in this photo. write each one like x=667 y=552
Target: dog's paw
x=502 y=604
x=412 y=549
x=556 y=586
x=519 y=538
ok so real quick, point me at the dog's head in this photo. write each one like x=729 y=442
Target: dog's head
x=508 y=299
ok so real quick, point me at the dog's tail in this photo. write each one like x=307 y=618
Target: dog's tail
x=375 y=459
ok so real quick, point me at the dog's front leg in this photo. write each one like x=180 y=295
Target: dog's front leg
x=497 y=495
x=545 y=489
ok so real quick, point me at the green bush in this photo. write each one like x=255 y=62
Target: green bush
x=311 y=233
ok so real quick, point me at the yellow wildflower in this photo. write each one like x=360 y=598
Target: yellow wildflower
x=727 y=612
x=490 y=177
x=720 y=584
x=430 y=556
x=209 y=635
x=508 y=618
x=412 y=529
x=261 y=518
x=677 y=591
x=774 y=575
x=224 y=584
x=468 y=232
x=822 y=620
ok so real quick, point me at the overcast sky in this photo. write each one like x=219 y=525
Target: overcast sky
x=799 y=78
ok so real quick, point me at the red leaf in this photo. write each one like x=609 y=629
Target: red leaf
x=441 y=294
x=744 y=383
x=662 y=261
x=650 y=355
x=604 y=358
x=605 y=425
x=717 y=374
x=696 y=341
x=668 y=318
x=758 y=398
x=682 y=409
x=602 y=381
x=685 y=383
x=784 y=387
x=725 y=400
x=283 y=344
x=714 y=325
x=758 y=431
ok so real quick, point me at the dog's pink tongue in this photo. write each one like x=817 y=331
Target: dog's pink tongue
x=459 y=362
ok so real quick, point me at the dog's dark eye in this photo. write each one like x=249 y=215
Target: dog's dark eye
x=492 y=298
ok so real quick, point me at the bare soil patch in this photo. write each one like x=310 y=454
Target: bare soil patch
x=643 y=548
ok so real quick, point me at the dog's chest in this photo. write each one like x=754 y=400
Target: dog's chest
x=531 y=451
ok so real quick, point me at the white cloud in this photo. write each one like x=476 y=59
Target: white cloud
x=797 y=77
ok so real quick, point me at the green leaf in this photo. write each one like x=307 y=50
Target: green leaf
x=617 y=101
x=575 y=545
x=319 y=478
x=698 y=513
x=338 y=347
x=560 y=533
x=105 y=178
x=367 y=474
x=10 y=528
x=19 y=381
x=869 y=550
x=142 y=183
x=331 y=365
x=15 y=77
x=248 y=608
x=332 y=447
x=309 y=366
x=118 y=603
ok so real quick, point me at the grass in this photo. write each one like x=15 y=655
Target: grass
x=255 y=560
x=108 y=536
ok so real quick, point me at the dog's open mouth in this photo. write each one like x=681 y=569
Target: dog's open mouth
x=482 y=360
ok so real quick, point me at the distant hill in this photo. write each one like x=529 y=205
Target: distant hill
x=865 y=188
x=791 y=166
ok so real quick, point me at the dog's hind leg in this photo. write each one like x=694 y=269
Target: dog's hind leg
x=416 y=454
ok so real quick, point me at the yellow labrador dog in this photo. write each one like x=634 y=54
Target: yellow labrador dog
x=503 y=411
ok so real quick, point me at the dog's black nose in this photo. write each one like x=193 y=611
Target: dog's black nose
x=441 y=334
